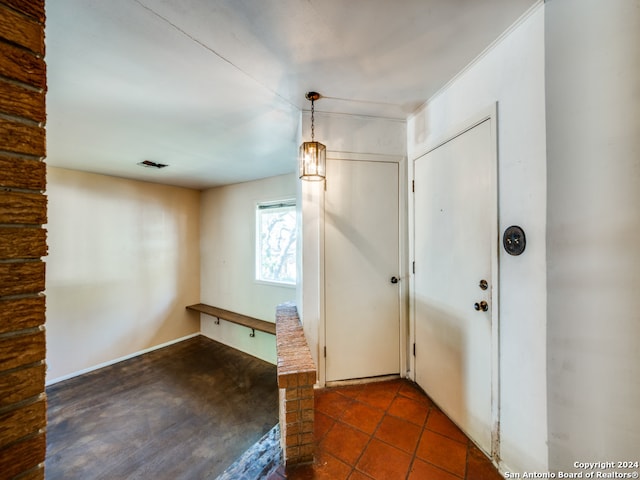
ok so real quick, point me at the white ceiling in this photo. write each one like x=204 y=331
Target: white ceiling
x=214 y=88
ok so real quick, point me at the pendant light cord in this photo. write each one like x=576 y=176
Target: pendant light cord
x=312 y=126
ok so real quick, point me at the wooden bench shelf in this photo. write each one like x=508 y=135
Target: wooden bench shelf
x=244 y=320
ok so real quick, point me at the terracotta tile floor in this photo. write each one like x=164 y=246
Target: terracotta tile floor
x=387 y=431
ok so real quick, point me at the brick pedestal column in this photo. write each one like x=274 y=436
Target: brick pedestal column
x=296 y=378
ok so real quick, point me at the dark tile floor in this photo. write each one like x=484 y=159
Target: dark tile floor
x=387 y=431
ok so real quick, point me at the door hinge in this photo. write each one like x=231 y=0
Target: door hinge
x=325 y=352
x=414 y=349
x=413 y=186
x=414 y=268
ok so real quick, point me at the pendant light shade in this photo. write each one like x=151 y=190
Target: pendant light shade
x=313 y=158
x=313 y=155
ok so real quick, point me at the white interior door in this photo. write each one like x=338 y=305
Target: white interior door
x=455 y=229
x=361 y=256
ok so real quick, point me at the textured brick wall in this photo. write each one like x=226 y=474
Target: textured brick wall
x=23 y=210
x=296 y=377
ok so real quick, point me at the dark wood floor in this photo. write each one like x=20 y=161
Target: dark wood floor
x=186 y=411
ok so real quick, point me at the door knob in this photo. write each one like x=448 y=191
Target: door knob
x=394 y=280
x=484 y=306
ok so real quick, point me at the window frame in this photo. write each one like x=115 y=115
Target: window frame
x=260 y=206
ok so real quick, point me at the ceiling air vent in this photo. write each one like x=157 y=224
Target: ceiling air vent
x=150 y=164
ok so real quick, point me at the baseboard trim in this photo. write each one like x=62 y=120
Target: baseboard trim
x=120 y=359
x=360 y=381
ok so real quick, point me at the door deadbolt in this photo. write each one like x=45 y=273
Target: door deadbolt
x=483 y=284
x=394 y=280
x=484 y=306
x=514 y=240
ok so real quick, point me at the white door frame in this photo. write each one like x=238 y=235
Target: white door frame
x=491 y=114
x=403 y=272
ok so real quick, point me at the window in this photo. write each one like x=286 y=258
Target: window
x=276 y=242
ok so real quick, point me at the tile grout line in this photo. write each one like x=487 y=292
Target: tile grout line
x=466 y=461
x=355 y=462
x=335 y=420
x=371 y=436
x=415 y=450
x=387 y=413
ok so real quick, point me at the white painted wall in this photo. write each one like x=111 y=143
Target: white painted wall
x=123 y=263
x=511 y=73
x=310 y=293
x=227 y=249
x=347 y=137
x=593 y=230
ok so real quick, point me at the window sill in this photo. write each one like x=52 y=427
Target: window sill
x=275 y=284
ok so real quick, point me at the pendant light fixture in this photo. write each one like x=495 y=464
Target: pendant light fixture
x=313 y=155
